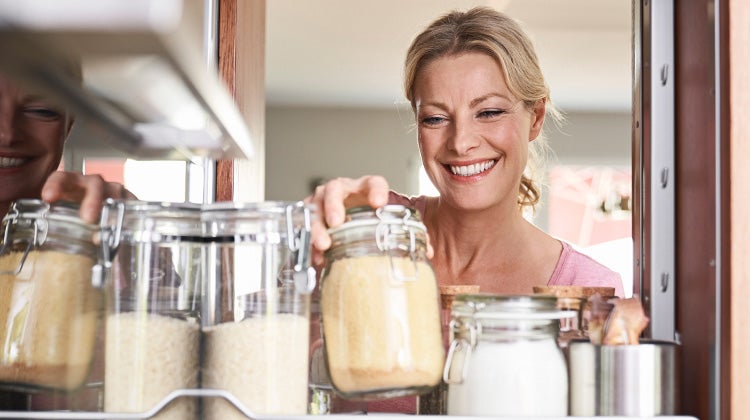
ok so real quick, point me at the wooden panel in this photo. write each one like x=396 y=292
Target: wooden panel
x=695 y=210
x=242 y=52
x=251 y=96
x=227 y=35
x=739 y=150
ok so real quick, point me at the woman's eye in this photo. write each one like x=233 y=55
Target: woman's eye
x=431 y=121
x=490 y=113
x=42 y=113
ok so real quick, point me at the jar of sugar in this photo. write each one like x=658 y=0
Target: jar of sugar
x=380 y=313
x=504 y=359
x=50 y=299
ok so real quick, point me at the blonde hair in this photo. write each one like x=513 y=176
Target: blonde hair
x=490 y=32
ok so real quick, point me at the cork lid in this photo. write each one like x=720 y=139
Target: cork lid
x=449 y=292
x=574 y=291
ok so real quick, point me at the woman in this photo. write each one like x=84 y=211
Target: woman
x=480 y=102
x=32 y=135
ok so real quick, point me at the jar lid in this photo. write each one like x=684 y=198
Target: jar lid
x=390 y=227
x=40 y=220
x=494 y=306
x=365 y=216
x=152 y=221
x=281 y=217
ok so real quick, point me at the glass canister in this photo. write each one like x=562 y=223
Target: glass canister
x=435 y=402
x=256 y=317
x=155 y=253
x=50 y=303
x=504 y=359
x=380 y=313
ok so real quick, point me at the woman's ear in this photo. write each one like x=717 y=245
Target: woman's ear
x=537 y=118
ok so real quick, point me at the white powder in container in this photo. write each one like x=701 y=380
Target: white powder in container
x=147 y=357
x=262 y=361
x=48 y=319
x=518 y=378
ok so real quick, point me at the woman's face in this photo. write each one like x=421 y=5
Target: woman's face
x=473 y=133
x=32 y=135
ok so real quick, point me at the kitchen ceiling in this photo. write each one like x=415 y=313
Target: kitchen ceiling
x=350 y=52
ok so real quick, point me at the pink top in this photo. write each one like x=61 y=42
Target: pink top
x=573 y=269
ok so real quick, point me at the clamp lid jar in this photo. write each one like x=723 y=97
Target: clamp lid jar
x=504 y=359
x=49 y=303
x=380 y=314
x=155 y=252
x=256 y=318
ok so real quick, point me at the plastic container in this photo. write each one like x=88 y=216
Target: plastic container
x=256 y=317
x=504 y=358
x=49 y=307
x=153 y=317
x=380 y=314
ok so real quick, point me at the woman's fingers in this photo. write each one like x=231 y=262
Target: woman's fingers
x=334 y=197
x=88 y=190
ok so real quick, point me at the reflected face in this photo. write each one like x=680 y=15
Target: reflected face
x=32 y=135
x=473 y=133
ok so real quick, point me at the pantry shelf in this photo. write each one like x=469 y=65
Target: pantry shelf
x=147 y=87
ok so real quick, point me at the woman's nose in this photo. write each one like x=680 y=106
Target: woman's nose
x=6 y=126
x=463 y=138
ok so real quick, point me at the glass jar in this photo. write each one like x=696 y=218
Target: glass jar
x=435 y=402
x=154 y=285
x=380 y=314
x=256 y=315
x=504 y=359
x=49 y=301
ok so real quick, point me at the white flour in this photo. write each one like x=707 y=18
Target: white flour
x=519 y=378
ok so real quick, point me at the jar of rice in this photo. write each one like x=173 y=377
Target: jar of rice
x=256 y=315
x=49 y=304
x=380 y=313
x=152 y=347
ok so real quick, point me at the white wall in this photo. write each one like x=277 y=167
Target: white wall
x=304 y=143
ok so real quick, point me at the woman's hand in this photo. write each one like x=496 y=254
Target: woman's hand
x=334 y=197
x=89 y=190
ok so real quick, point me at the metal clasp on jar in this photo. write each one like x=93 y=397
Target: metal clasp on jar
x=386 y=242
x=299 y=242
x=459 y=353
x=109 y=235
x=14 y=218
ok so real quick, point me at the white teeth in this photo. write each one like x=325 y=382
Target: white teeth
x=6 y=162
x=471 y=170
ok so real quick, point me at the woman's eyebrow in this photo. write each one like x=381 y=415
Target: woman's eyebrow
x=479 y=100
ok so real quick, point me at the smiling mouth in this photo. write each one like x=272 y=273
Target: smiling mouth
x=471 y=170
x=8 y=162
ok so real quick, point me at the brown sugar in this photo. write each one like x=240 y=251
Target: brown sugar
x=380 y=332
x=48 y=319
